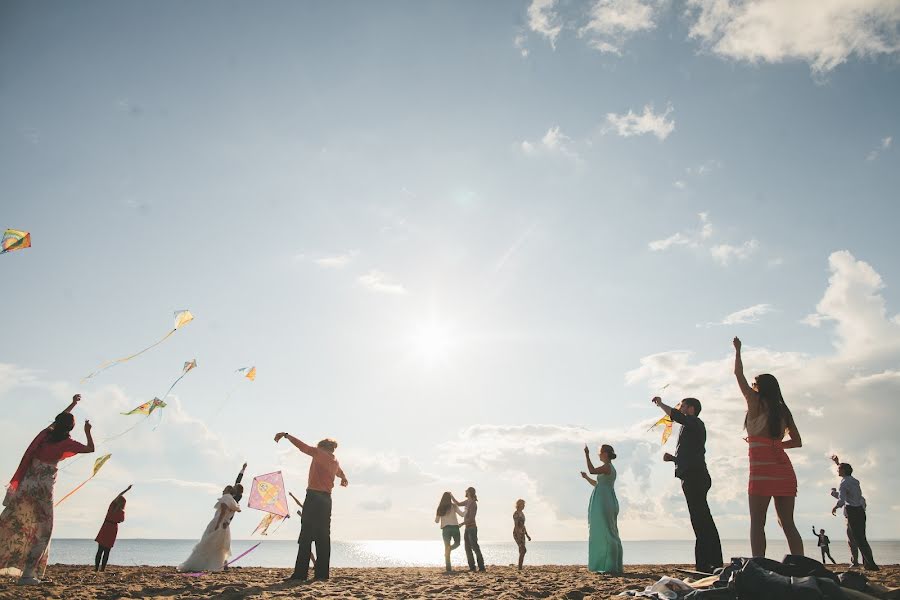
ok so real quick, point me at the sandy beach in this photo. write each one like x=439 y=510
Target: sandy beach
x=569 y=582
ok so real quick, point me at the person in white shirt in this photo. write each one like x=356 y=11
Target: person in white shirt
x=446 y=518
x=849 y=496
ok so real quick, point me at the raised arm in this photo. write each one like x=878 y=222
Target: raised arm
x=746 y=390
x=601 y=470
x=666 y=409
x=123 y=492
x=75 y=400
x=588 y=479
x=240 y=475
x=304 y=448
x=90 y=440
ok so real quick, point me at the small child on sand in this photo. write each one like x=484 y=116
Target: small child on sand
x=106 y=538
x=519 y=531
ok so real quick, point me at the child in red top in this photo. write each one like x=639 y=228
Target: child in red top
x=109 y=530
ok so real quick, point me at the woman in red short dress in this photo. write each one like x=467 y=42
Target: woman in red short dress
x=106 y=538
x=767 y=422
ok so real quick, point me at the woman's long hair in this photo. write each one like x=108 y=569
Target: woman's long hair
x=62 y=425
x=444 y=506
x=778 y=415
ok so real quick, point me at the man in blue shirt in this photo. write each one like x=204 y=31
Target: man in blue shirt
x=690 y=468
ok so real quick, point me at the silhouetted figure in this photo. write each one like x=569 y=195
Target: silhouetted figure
x=850 y=497
x=823 y=544
x=690 y=468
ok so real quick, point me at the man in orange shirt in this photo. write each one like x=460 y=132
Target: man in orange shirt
x=315 y=524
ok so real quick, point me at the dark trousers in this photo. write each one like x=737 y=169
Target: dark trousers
x=315 y=526
x=470 y=538
x=826 y=552
x=101 y=557
x=856 y=520
x=708 y=547
x=854 y=549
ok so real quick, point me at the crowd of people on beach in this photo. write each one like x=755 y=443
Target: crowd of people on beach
x=26 y=523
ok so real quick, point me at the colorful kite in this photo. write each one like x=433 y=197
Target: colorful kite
x=182 y=318
x=13 y=239
x=187 y=367
x=147 y=407
x=248 y=372
x=666 y=421
x=267 y=494
x=98 y=464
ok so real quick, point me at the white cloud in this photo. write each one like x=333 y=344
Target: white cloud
x=612 y=22
x=745 y=316
x=519 y=43
x=692 y=238
x=699 y=239
x=823 y=33
x=554 y=142
x=854 y=302
x=376 y=281
x=336 y=261
x=724 y=254
x=884 y=145
x=680 y=184
x=647 y=122
x=542 y=19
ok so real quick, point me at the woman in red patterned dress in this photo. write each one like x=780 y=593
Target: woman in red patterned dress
x=772 y=475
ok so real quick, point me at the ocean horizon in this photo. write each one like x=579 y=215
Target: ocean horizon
x=429 y=553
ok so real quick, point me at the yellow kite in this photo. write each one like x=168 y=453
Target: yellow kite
x=98 y=464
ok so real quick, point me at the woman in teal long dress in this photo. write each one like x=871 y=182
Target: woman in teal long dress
x=604 y=545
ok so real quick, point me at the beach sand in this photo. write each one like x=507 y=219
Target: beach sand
x=569 y=582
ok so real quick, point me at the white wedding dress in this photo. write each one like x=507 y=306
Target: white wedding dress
x=214 y=547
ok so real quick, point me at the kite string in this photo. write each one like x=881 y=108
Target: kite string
x=111 y=363
x=78 y=487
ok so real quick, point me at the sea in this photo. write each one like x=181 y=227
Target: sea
x=430 y=553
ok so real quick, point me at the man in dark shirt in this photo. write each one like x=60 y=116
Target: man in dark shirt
x=690 y=468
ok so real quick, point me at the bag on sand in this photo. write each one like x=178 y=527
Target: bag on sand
x=758 y=581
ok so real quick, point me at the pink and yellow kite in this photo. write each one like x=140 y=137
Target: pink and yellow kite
x=267 y=494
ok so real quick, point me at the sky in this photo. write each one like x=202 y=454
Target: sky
x=463 y=239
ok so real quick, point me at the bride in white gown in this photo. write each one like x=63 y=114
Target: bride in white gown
x=214 y=547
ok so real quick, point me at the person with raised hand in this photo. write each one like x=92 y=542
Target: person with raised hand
x=767 y=421
x=849 y=497
x=690 y=468
x=26 y=523
x=604 y=544
x=315 y=524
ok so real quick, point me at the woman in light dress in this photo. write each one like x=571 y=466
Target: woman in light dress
x=214 y=547
x=604 y=544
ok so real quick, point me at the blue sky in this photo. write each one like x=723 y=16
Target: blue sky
x=461 y=238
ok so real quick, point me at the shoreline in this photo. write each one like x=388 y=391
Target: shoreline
x=80 y=582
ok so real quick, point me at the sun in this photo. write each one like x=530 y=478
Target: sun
x=433 y=341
